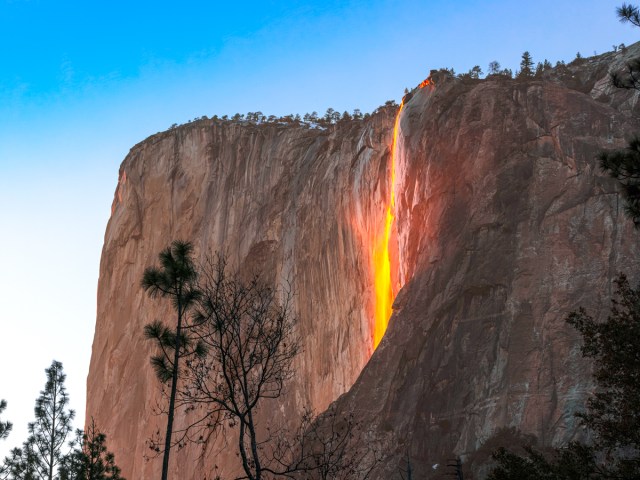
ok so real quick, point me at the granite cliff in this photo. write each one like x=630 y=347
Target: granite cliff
x=503 y=224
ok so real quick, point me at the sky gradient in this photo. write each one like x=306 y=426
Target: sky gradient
x=80 y=84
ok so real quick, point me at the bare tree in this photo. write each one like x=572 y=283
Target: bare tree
x=328 y=447
x=248 y=331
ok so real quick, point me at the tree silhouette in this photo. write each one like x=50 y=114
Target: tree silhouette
x=20 y=465
x=89 y=458
x=631 y=79
x=247 y=329
x=624 y=165
x=629 y=13
x=494 y=67
x=328 y=447
x=5 y=427
x=47 y=434
x=175 y=279
x=526 y=65
x=613 y=411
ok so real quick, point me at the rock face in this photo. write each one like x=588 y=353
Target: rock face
x=295 y=203
x=503 y=225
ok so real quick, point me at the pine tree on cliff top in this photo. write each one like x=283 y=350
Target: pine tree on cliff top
x=526 y=66
x=176 y=280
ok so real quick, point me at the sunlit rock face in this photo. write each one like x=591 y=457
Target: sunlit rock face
x=503 y=224
x=299 y=205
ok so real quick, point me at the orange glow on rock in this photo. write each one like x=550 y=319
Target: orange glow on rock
x=381 y=260
x=424 y=83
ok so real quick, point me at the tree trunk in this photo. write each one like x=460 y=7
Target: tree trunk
x=254 y=447
x=243 y=451
x=172 y=397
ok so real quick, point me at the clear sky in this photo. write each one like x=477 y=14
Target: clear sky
x=82 y=82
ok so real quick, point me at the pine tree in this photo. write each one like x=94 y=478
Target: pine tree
x=526 y=65
x=5 y=427
x=629 y=13
x=475 y=72
x=20 y=465
x=328 y=116
x=631 y=79
x=176 y=280
x=89 y=459
x=613 y=411
x=47 y=434
x=41 y=453
x=624 y=165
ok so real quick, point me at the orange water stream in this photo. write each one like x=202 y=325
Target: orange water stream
x=384 y=290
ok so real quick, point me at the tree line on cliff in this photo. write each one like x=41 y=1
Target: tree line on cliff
x=313 y=119
x=45 y=455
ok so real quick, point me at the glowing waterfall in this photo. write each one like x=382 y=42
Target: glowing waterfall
x=384 y=290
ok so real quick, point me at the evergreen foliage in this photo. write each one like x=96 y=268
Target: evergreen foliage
x=629 y=13
x=631 y=78
x=41 y=453
x=89 y=458
x=613 y=414
x=474 y=73
x=526 y=66
x=624 y=165
x=5 y=427
x=47 y=434
x=494 y=67
x=20 y=465
x=175 y=279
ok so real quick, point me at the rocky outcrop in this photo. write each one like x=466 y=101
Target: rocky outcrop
x=503 y=225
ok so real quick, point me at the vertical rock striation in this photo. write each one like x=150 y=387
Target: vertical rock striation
x=503 y=225
x=295 y=203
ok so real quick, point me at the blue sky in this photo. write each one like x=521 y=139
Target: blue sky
x=82 y=82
